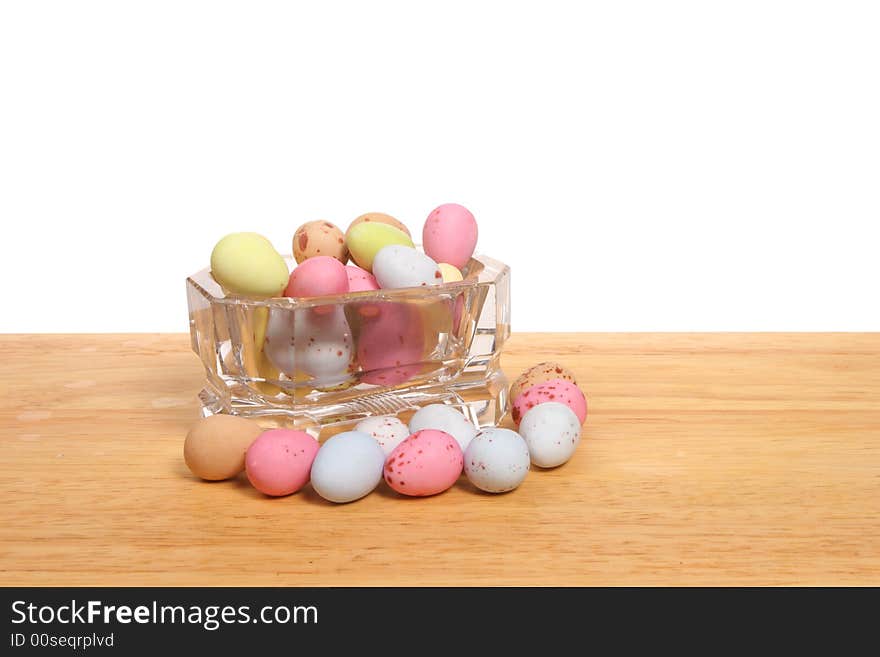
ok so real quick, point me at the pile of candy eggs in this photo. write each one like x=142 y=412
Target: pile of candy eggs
x=380 y=246
x=338 y=345
x=425 y=457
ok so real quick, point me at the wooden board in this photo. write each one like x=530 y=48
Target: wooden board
x=707 y=459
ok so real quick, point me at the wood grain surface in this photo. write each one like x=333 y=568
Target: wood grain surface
x=708 y=459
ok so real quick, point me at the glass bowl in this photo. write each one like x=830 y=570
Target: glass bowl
x=331 y=361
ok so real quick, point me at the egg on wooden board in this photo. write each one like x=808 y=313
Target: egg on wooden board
x=444 y=418
x=319 y=238
x=496 y=460
x=427 y=463
x=387 y=430
x=215 y=446
x=540 y=373
x=348 y=467
x=558 y=390
x=368 y=238
x=552 y=432
x=450 y=234
x=247 y=264
x=397 y=266
x=278 y=462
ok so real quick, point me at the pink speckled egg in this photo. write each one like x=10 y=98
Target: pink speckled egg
x=278 y=462
x=556 y=390
x=360 y=280
x=391 y=343
x=450 y=234
x=426 y=463
x=317 y=277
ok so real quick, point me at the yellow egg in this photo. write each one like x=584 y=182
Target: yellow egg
x=450 y=273
x=366 y=239
x=248 y=264
x=256 y=363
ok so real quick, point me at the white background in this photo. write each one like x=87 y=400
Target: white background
x=640 y=165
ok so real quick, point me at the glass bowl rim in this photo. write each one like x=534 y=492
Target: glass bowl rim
x=378 y=296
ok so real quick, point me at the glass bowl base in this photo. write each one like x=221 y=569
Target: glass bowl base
x=483 y=400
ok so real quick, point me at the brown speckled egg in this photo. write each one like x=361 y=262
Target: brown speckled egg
x=216 y=445
x=380 y=218
x=319 y=238
x=540 y=373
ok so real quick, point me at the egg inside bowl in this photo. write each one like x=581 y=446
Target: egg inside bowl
x=326 y=361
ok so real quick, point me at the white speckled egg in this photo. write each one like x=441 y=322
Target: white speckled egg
x=279 y=342
x=402 y=266
x=496 y=460
x=444 y=418
x=348 y=467
x=552 y=431
x=387 y=430
x=305 y=342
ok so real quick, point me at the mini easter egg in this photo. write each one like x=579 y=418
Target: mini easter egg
x=386 y=430
x=391 y=344
x=279 y=345
x=426 y=463
x=552 y=431
x=558 y=390
x=324 y=347
x=444 y=418
x=279 y=460
x=368 y=238
x=347 y=467
x=450 y=273
x=398 y=266
x=360 y=280
x=215 y=446
x=302 y=343
x=319 y=238
x=248 y=264
x=380 y=218
x=450 y=234
x=540 y=373
x=256 y=363
x=317 y=277
x=496 y=460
